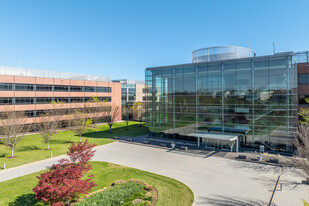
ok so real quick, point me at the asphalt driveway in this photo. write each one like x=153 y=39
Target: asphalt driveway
x=214 y=180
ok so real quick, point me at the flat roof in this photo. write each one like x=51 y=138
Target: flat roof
x=281 y=54
x=13 y=71
x=229 y=129
x=218 y=136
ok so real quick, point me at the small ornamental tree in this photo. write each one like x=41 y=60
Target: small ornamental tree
x=64 y=182
x=138 y=109
x=12 y=128
x=126 y=111
x=81 y=153
x=112 y=114
x=95 y=109
x=80 y=123
x=50 y=121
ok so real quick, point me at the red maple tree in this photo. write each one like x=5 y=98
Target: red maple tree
x=64 y=182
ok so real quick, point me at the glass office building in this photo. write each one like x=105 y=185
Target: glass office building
x=253 y=97
x=131 y=91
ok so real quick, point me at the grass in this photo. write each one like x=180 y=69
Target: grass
x=32 y=147
x=18 y=191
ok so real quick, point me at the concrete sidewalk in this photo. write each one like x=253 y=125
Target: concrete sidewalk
x=28 y=168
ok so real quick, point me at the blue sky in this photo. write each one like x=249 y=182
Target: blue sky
x=120 y=38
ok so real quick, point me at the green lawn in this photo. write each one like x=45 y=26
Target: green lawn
x=18 y=191
x=32 y=147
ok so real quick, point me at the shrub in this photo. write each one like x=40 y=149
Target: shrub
x=65 y=181
x=122 y=194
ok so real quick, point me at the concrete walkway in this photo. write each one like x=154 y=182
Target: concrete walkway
x=214 y=180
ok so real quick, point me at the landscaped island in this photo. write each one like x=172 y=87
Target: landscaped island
x=18 y=191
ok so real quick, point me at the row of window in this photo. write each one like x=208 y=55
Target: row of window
x=130 y=98
x=38 y=113
x=46 y=87
x=47 y=100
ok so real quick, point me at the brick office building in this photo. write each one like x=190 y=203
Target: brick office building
x=32 y=91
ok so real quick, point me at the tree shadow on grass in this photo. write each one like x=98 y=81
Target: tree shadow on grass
x=26 y=200
x=28 y=148
x=59 y=141
x=132 y=130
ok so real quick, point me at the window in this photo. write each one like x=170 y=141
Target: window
x=61 y=88
x=5 y=100
x=77 y=99
x=104 y=89
x=89 y=89
x=24 y=87
x=132 y=90
x=105 y=99
x=40 y=112
x=6 y=87
x=87 y=99
x=77 y=89
x=30 y=113
x=62 y=99
x=131 y=98
x=24 y=100
x=43 y=100
x=44 y=87
x=303 y=78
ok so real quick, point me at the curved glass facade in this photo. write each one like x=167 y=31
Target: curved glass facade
x=257 y=95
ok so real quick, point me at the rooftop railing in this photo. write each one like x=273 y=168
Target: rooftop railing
x=301 y=57
x=13 y=71
x=128 y=81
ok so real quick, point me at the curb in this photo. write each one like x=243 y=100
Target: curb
x=202 y=156
x=141 y=144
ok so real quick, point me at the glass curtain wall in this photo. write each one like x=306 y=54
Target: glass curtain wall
x=253 y=94
x=128 y=94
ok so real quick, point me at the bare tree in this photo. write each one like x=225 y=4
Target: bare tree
x=79 y=122
x=126 y=112
x=95 y=108
x=50 y=121
x=112 y=115
x=13 y=127
x=138 y=109
x=301 y=142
